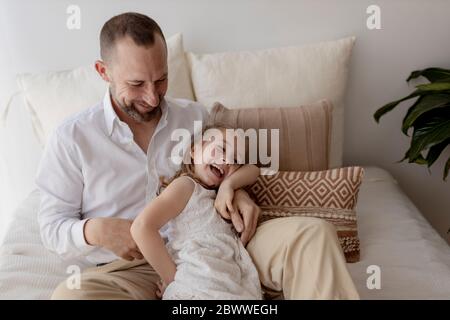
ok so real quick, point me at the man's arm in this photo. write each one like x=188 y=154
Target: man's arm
x=246 y=215
x=60 y=182
x=63 y=229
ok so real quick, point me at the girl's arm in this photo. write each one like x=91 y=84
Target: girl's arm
x=145 y=228
x=244 y=176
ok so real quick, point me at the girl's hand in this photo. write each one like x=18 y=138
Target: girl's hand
x=224 y=199
x=161 y=288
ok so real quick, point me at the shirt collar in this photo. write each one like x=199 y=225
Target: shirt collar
x=111 y=115
x=164 y=111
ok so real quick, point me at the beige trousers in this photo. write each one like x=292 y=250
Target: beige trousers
x=296 y=258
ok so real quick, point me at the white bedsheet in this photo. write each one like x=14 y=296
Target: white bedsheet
x=414 y=260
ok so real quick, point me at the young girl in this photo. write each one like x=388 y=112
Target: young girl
x=203 y=258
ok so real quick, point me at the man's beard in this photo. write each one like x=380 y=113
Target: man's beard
x=131 y=110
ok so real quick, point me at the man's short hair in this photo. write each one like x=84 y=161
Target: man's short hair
x=139 y=27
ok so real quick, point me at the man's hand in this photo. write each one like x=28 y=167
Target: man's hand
x=224 y=198
x=114 y=235
x=245 y=217
x=161 y=289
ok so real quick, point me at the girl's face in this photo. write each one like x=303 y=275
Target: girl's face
x=211 y=164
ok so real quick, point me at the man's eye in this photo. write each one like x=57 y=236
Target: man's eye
x=136 y=84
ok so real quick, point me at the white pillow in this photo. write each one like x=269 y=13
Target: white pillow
x=180 y=85
x=53 y=96
x=20 y=153
x=280 y=77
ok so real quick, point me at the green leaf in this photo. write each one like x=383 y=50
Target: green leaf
x=446 y=169
x=419 y=159
x=422 y=105
x=429 y=130
x=437 y=86
x=432 y=74
x=444 y=80
x=388 y=107
x=435 y=151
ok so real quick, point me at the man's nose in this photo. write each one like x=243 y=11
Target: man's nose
x=151 y=96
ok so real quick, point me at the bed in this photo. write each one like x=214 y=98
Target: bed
x=414 y=261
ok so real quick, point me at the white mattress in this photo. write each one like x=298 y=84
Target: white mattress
x=414 y=260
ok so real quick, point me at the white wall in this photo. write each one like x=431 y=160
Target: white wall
x=414 y=35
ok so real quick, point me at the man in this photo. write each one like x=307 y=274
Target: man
x=102 y=166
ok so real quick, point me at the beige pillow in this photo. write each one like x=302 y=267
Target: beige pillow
x=53 y=96
x=282 y=77
x=330 y=195
x=304 y=131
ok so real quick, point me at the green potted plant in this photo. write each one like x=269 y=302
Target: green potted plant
x=428 y=116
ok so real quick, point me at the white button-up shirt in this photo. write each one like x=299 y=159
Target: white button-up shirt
x=91 y=167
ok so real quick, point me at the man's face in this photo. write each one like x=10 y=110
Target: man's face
x=138 y=78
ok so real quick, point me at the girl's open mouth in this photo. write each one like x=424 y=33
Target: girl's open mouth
x=217 y=171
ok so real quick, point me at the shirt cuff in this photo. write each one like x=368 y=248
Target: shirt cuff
x=78 y=236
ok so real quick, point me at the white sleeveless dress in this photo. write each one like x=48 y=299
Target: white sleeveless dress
x=211 y=261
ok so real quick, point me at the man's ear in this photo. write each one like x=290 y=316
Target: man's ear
x=101 y=67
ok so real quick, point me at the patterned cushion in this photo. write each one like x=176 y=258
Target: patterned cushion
x=329 y=195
